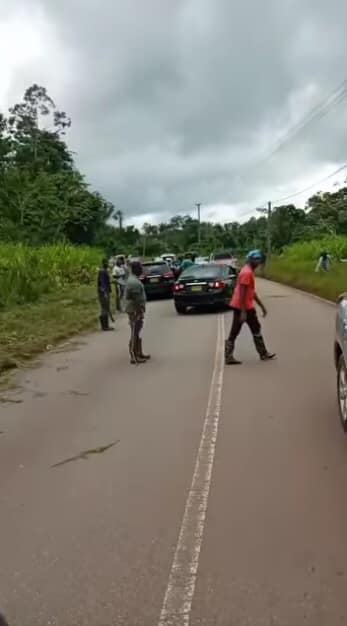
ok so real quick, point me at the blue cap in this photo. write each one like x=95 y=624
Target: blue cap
x=257 y=255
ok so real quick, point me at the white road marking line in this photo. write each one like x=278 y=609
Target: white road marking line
x=181 y=585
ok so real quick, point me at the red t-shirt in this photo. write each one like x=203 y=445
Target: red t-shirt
x=246 y=279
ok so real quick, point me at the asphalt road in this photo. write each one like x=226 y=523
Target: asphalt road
x=222 y=501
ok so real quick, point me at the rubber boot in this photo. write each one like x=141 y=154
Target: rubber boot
x=105 y=323
x=140 y=351
x=138 y=355
x=229 y=353
x=133 y=359
x=261 y=348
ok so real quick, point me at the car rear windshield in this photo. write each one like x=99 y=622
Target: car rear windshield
x=156 y=268
x=222 y=255
x=205 y=272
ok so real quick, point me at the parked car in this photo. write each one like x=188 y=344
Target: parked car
x=225 y=258
x=340 y=356
x=157 y=278
x=169 y=258
x=204 y=285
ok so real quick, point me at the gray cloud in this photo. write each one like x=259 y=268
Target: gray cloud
x=171 y=100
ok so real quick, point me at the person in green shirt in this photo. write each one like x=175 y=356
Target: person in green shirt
x=135 y=307
x=188 y=261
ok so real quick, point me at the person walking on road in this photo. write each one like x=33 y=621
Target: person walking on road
x=135 y=306
x=243 y=305
x=104 y=293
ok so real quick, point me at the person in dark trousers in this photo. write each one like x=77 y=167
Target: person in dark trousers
x=3 y=622
x=104 y=293
x=135 y=306
x=243 y=305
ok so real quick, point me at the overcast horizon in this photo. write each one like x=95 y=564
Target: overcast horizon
x=175 y=102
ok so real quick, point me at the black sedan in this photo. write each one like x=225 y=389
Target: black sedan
x=157 y=278
x=204 y=285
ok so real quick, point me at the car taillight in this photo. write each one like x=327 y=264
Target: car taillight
x=218 y=284
x=169 y=275
x=178 y=287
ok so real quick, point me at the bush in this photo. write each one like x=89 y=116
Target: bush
x=310 y=250
x=27 y=273
x=296 y=267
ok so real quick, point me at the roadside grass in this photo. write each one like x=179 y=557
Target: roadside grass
x=30 y=329
x=301 y=274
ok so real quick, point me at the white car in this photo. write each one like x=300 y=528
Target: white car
x=224 y=258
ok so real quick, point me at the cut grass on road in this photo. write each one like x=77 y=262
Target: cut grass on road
x=30 y=329
x=301 y=274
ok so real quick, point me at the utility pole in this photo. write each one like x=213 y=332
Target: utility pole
x=198 y=205
x=268 y=231
x=268 y=212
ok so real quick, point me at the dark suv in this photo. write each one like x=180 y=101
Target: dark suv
x=157 y=278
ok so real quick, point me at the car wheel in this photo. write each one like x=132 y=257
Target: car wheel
x=342 y=391
x=180 y=308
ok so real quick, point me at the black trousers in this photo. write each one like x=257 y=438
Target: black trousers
x=104 y=300
x=252 y=321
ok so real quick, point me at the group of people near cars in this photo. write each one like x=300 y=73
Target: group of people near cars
x=129 y=288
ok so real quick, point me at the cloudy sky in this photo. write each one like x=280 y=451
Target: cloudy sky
x=178 y=101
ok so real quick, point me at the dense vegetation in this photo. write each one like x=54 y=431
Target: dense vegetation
x=28 y=272
x=297 y=263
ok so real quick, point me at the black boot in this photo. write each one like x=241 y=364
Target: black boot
x=146 y=357
x=102 y=322
x=229 y=353
x=261 y=348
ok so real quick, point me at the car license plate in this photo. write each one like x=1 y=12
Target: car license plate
x=196 y=288
x=154 y=280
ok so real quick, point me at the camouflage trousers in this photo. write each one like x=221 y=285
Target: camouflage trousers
x=136 y=321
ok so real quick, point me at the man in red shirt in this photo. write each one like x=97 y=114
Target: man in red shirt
x=243 y=305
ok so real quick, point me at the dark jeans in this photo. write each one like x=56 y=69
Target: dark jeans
x=104 y=300
x=251 y=320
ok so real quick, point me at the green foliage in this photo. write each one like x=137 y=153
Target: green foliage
x=43 y=197
x=296 y=267
x=26 y=273
x=311 y=250
x=34 y=328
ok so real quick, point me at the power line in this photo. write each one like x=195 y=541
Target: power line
x=317 y=112
x=319 y=182
x=296 y=193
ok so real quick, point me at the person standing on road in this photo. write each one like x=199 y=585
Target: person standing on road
x=120 y=275
x=104 y=293
x=243 y=305
x=135 y=306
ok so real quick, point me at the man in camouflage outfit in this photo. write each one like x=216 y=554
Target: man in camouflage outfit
x=135 y=306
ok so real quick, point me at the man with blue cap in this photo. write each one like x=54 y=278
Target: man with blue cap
x=243 y=305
